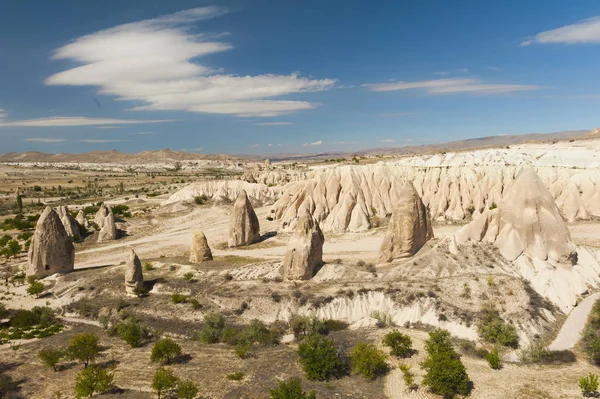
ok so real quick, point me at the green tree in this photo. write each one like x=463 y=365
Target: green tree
x=187 y=389
x=367 y=360
x=291 y=389
x=400 y=344
x=320 y=358
x=50 y=357
x=93 y=380
x=132 y=332
x=445 y=373
x=493 y=359
x=408 y=377
x=493 y=329
x=165 y=350
x=589 y=385
x=35 y=288
x=13 y=248
x=163 y=381
x=212 y=330
x=85 y=348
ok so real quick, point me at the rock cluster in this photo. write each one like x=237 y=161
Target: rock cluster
x=243 y=223
x=248 y=177
x=409 y=228
x=304 y=250
x=134 y=278
x=105 y=219
x=200 y=251
x=223 y=190
x=51 y=250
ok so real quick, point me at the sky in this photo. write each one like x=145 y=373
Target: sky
x=293 y=76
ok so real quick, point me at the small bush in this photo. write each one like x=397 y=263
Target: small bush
x=50 y=357
x=589 y=385
x=367 y=360
x=320 y=358
x=163 y=381
x=187 y=389
x=408 y=377
x=212 y=330
x=200 y=199
x=400 y=344
x=291 y=389
x=179 y=298
x=493 y=359
x=195 y=304
x=93 y=380
x=537 y=352
x=148 y=266
x=383 y=319
x=132 y=332
x=237 y=376
x=165 y=351
x=35 y=288
x=493 y=329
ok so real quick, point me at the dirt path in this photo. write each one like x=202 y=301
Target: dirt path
x=570 y=331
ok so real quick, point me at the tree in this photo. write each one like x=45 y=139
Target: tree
x=367 y=360
x=494 y=360
x=35 y=288
x=187 y=389
x=589 y=385
x=165 y=350
x=408 y=377
x=13 y=249
x=50 y=357
x=445 y=373
x=85 y=348
x=291 y=389
x=132 y=332
x=493 y=329
x=400 y=344
x=212 y=330
x=19 y=203
x=320 y=358
x=92 y=380
x=163 y=381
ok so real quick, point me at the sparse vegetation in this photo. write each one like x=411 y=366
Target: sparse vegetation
x=320 y=358
x=589 y=385
x=400 y=344
x=408 y=377
x=165 y=350
x=368 y=361
x=494 y=330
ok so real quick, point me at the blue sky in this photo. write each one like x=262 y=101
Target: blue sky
x=270 y=76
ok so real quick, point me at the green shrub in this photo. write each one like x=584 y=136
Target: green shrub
x=165 y=350
x=188 y=276
x=367 y=360
x=408 y=377
x=84 y=347
x=494 y=360
x=320 y=358
x=589 y=385
x=291 y=389
x=179 y=298
x=93 y=380
x=237 y=376
x=537 y=352
x=200 y=199
x=35 y=288
x=38 y=316
x=187 y=389
x=493 y=329
x=132 y=332
x=242 y=349
x=212 y=330
x=148 y=266
x=383 y=319
x=303 y=326
x=445 y=374
x=163 y=381
x=195 y=304
x=400 y=344
x=50 y=357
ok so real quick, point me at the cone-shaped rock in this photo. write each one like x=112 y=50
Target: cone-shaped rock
x=527 y=221
x=51 y=250
x=243 y=223
x=82 y=219
x=304 y=250
x=72 y=227
x=108 y=228
x=409 y=229
x=200 y=251
x=134 y=278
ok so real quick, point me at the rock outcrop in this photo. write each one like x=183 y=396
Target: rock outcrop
x=134 y=277
x=51 y=250
x=223 y=191
x=248 y=177
x=243 y=223
x=105 y=219
x=72 y=227
x=305 y=249
x=200 y=251
x=409 y=229
x=82 y=219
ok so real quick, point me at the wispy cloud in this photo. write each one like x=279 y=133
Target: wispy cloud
x=463 y=70
x=400 y=114
x=587 y=31
x=343 y=142
x=2 y=114
x=452 y=85
x=98 y=141
x=144 y=133
x=44 y=140
x=76 y=121
x=274 y=123
x=108 y=127
x=388 y=141
x=443 y=73
x=495 y=69
x=255 y=145
x=314 y=143
x=151 y=61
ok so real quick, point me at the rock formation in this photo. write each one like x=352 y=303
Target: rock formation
x=304 y=250
x=134 y=278
x=248 y=177
x=243 y=223
x=223 y=190
x=72 y=227
x=82 y=219
x=105 y=219
x=200 y=251
x=51 y=250
x=409 y=229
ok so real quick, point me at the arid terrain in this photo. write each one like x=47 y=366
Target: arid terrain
x=511 y=228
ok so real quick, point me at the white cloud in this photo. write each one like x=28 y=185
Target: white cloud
x=255 y=145
x=2 y=114
x=314 y=143
x=76 y=121
x=495 y=69
x=388 y=141
x=269 y=145
x=400 y=114
x=345 y=142
x=151 y=61
x=108 y=127
x=444 y=73
x=452 y=85
x=97 y=141
x=587 y=31
x=463 y=70
x=274 y=123
x=45 y=140
x=144 y=133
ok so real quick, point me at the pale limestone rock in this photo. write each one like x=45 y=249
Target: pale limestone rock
x=243 y=223
x=82 y=219
x=105 y=219
x=304 y=250
x=51 y=250
x=134 y=277
x=200 y=251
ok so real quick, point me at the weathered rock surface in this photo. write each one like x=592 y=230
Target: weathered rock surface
x=243 y=223
x=304 y=250
x=223 y=191
x=72 y=227
x=248 y=177
x=51 y=250
x=82 y=219
x=409 y=229
x=200 y=251
x=105 y=219
x=134 y=277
